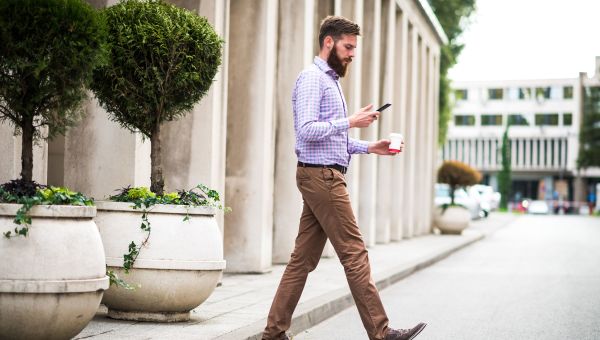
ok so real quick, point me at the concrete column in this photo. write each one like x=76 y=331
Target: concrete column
x=555 y=162
x=564 y=154
x=386 y=121
x=250 y=131
x=473 y=152
x=486 y=152
x=370 y=94
x=193 y=147
x=411 y=144
x=460 y=149
x=10 y=156
x=521 y=152
x=513 y=152
x=535 y=164
x=421 y=139
x=91 y=164
x=399 y=197
x=431 y=144
x=527 y=161
x=295 y=19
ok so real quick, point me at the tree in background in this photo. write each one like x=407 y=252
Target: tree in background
x=48 y=50
x=589 y=135
x=504 y=180
x=453 y=15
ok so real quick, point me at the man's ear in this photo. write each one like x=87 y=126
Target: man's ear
x=328 y=42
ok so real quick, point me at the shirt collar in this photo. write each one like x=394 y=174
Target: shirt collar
x=324 y=66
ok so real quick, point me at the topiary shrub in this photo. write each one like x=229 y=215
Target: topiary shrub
x=457 y=174
x=162 y=60
x=48 y=50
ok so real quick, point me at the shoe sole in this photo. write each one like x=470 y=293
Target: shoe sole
x=418 y=331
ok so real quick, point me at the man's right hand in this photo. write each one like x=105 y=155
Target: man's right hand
x=364 y=117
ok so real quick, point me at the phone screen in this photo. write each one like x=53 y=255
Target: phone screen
x=385 y=106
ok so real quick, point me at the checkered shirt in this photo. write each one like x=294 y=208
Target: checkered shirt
x=320 y=118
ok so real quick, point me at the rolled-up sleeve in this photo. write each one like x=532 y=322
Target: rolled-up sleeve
x=308 y=95
x=356 y=146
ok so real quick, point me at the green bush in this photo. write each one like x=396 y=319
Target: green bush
x=457 y=174
x=162 y=60
x=48 y=49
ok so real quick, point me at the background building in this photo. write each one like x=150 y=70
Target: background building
x=545 y=117
x=239 y=139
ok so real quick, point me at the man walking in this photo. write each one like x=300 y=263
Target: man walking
x=323 y=149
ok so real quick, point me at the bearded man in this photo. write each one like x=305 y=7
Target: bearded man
x=323 y=149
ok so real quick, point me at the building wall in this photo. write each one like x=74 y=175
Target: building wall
x=240 y=140
x=543 y=151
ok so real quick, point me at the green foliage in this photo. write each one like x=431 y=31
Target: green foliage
x=13 y=193
x=454 y=16
x=48 y=49
x=457 y=174
x=142 y=198
x=589 y=134
x=504 y=176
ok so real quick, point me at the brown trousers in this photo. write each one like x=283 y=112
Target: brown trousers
x=327 y=213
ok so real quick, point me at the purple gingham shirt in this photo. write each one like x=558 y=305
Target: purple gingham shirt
x=320 y=118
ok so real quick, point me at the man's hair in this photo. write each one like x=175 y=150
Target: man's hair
x=335 y=26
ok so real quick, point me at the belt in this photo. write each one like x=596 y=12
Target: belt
x=337 y=167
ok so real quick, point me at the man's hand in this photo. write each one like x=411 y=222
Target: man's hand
x=382 y=147
x=364 y=117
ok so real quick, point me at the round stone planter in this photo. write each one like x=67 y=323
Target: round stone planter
x=52 y=281
x=175 y=272
x=453 y=220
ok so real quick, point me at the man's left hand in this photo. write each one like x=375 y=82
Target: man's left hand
x=382 y=147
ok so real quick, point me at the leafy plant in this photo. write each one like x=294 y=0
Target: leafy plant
x=48 y=49
x=457 y=174
x=162 y=60
x=19 y=192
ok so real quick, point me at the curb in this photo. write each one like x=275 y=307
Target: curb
x=318 y=309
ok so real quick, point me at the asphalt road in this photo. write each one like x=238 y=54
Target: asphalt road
x=537 y=278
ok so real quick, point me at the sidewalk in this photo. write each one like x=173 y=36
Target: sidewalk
x=238 y=308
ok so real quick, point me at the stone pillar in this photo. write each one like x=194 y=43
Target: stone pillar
x=386 y=121
x=10 y=156
x=193 y=148
x=250 y=135
x=295 y=19
x=370 y=94
x=411 y=136
x=422 y=141
x=535 y=163
x=431 y=145
x=399 y=195
x=91 y=164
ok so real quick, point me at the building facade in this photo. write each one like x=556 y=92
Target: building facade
x=544 y=117
x=239 y=139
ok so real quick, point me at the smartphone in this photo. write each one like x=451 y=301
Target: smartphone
x=385 y=106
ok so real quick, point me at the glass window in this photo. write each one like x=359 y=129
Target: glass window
x=543 y=92
x=568 y=92
x=517 y=119
x=524 y=93
x=461 y=94
x=546 y=119
x=495 y=93
x=488 y=120
x=567 y=119
x=464 y=120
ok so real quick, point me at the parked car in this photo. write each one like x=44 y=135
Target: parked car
x=484 y=203
x=442 y=196
x=488 y=195
x=538 y=207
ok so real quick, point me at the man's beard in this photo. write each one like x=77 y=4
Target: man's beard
x=336 y=63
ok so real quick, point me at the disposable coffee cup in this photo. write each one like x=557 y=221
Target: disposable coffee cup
x=396 y=142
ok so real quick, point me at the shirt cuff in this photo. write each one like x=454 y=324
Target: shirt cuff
x=360 y=147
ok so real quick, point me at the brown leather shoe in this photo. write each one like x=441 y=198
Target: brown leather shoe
x=405 y=334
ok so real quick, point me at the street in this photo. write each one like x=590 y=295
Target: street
x=537 y=278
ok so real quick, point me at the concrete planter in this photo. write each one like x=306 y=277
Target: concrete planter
x=177 y=270
x=52 y=281
x=453 y=220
